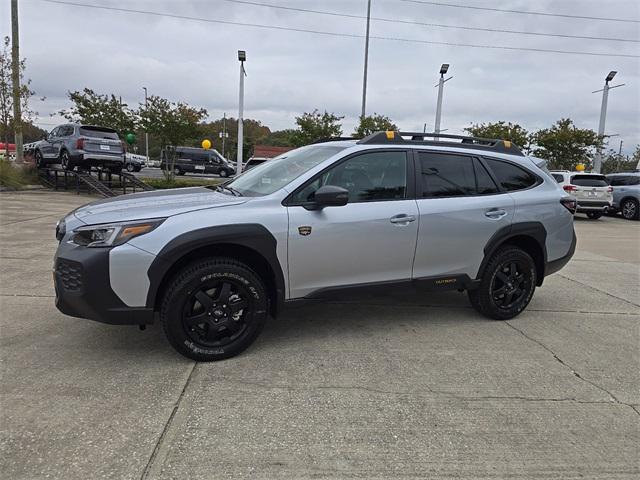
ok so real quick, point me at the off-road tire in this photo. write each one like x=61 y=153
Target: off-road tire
x=482 y=297
x=195 y=279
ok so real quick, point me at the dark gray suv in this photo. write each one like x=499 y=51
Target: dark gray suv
x=82 y=146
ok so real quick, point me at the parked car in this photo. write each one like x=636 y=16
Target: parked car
x=134 y=163
x=626 y=194
x=591 y=190
x=254 y=162
x=198 y=160
x=391 y=209
x=82 y=146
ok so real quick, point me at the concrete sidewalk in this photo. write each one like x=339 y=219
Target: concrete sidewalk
x=374 y=388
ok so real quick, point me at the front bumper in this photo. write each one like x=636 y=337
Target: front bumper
x=81 y=280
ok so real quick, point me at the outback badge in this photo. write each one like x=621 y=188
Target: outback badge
x=304 y=230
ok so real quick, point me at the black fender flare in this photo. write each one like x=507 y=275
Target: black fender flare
x=248 y=235
x=533 y=230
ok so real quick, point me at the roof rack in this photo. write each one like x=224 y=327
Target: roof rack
x=332 y=139
x=419 y=138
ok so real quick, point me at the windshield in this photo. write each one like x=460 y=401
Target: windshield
x=271 y=176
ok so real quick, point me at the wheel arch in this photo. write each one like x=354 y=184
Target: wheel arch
x=250 y=244
x=529 y=236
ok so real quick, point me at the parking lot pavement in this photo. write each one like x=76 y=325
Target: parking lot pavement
x=374 y=387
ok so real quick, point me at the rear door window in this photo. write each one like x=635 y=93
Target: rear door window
x=620 y=180
x=589 y=181
x=451 y=175
x=510 y=176
x=559 y=177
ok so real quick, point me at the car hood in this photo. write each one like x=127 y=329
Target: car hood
x=156 y=204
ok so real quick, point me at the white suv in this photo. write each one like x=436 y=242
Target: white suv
x=591 y=190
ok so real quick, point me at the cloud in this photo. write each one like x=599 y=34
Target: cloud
x=69 y=48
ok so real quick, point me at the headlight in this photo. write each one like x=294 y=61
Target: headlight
x=110 y=235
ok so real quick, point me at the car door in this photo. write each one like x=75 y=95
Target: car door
x=460 y=209
x=371 y=239
x=212 y=165
x=47 y=147
x=64 y=132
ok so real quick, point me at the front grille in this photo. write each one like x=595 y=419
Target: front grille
x=69 y=274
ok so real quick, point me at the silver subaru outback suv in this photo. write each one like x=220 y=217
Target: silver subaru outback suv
x=393 y=209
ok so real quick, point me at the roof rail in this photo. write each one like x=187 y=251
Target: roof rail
x=332 y=139
x=419 y=138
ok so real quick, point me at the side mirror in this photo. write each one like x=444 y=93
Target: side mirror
x=328 y=196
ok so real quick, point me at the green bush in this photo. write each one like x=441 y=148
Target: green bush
x=14 y=177
x=161 y=183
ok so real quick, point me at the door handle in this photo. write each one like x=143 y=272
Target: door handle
x=402 y=219
x=495 y=213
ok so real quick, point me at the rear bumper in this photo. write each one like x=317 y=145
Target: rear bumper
x=554 y=265
x=98 y=159
x=595 y=206
x=81 y=280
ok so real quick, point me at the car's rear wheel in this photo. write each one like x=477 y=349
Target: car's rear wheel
x=594 y=215
x=214 y=309
x=39 y=159
x=130 y=167
x=177 y=171
x=507 y=284
x=65 y=160
x=629 y=209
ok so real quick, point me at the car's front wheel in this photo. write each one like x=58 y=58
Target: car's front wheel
x=39 y=160
x=214 y=309
x=223 y=173
x=629 y=209
x=507 y=284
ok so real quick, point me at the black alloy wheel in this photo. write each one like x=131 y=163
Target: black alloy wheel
x=507 y=284
x=629 y=209
x=65 y=161
x=39 y=159
x=214 y=309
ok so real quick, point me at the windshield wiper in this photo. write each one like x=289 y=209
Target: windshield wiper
x=233 y=191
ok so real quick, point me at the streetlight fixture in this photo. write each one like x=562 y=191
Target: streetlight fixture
x=597 y=164
x=366 y=63
x=242 y=57
x=443 y=70
x=146 y=134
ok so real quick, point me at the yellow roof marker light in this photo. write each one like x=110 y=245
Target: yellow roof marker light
x=507 y=143
x=391 y=134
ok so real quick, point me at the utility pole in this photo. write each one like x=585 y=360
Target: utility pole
x=440 y=85
x=15 y=79
x=597 y=164
x=224 y=131
x=146 y=134
x=366 y=63
x=242 y=56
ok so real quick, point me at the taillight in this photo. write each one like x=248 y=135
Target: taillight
x=569 y=188
x=610 y=189
x=80 y=144
x=570 y=204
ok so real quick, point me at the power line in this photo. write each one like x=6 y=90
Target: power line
x=438 y=25
x=336 y=34
x=524 y=12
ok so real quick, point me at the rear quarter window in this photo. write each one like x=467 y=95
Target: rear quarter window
x=559 y=177
x=511 y=177
x=98 y=133
x=589 y=181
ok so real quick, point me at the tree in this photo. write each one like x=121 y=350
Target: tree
x=564 y=145
x=502 y=130
x=172 y=123
x=281 y=138
x=315 y=126
x=254 y=132
x=97 y=109
x=6 y=94
x=373 y=123
x=613 y=162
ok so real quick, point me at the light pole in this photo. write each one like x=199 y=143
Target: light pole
x=366 y=63
x=146 y=134
x=597 y=164
x=223 y=134
x=242 y=56
x=440 y=85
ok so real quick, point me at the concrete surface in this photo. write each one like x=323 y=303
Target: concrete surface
x=371 y=388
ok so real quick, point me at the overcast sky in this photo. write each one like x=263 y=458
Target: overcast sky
x=72 y=47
